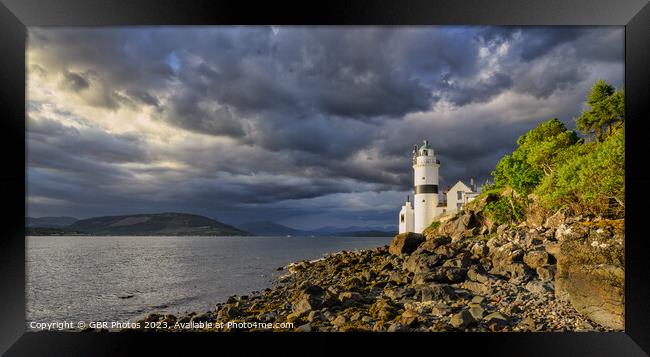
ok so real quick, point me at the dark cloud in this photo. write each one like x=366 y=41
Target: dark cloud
x=297 y=124
x=74 y=81
x=143 y=97
x=50 y=144
x=481 y=91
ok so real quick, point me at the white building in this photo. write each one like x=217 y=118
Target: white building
x=406 y=217
x=426 y=203
x=459 y=195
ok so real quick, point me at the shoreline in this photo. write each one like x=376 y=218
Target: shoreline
x=512 y=279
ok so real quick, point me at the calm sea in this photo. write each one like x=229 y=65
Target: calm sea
x=89 y=278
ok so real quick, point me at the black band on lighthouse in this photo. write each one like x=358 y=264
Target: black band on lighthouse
x=426 y=189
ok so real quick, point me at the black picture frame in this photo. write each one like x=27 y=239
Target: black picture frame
x=16 y=15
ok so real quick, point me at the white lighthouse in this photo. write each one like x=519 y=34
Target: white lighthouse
x=425 y=182
x=425 y=202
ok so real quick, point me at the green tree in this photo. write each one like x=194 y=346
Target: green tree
x=606 y=108
x=545 y=143
x=536 y=156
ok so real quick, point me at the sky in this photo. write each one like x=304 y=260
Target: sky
x=303 y=126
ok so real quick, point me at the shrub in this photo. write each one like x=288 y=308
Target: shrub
x=434 y=225
x=506 y=209
x=592 y=177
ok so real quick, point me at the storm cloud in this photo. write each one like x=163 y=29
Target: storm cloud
x=307 y=126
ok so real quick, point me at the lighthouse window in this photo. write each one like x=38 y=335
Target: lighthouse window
x=402 y=218
x=459 y=195
x=424 y=152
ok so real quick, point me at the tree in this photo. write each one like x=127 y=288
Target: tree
x=537 y=155
x=543 y=144
x=606 y=109
x=514 y=171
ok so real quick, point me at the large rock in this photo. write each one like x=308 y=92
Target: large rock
x=463 y=224
x=433 y=242
x=405 y=243
x=590 y=272
x=555 y=220
x=305 y=303
x=535 y=213
x=420 y=263
x=436 y=292
x=536 y=258
x=462 y=319
x=448 y=275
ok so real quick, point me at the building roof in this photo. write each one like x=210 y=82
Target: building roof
x=461 y=186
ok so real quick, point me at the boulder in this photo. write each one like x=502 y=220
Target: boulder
x=383 y=310
x=339 y=321
x=405 y=243
x=419 y=263
x=410 y=318
x=228 y=312
x=477 y=312
x=536 y=258
x=480 y=250
x=349 y=297
x=546 y=273
x=449 y=275
x=497 y=317
x=462 y=260
x=476 y=273
x=440 y=309
x=590 y=274
x=555 y=220
x=476 y=287
x=434 y=242
x=462 y=319
x=304 y=304
x=436 y=292
x=535 y=214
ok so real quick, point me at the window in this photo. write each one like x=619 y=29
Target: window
x=459 y=195
x=423 y=177
x=401 y=218
x=425 y=152
x=459 y=205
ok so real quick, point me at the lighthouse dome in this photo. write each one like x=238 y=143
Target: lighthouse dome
x=425 y=149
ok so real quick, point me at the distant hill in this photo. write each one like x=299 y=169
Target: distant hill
x=170 y=223
x=51 y=231
x=49 y=222
x=266 y=228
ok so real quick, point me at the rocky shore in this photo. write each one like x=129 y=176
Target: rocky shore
x=551 y=273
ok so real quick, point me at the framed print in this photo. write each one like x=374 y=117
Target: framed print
x=381 y=175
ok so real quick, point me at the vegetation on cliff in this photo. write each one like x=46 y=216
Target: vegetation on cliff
x=582 y=175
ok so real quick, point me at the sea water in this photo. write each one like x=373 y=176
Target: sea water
x=85 y=278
